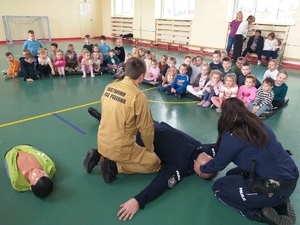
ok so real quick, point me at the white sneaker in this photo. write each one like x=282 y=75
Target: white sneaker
x=258 y=62
x=4 y=72
x=84 y=76
x=92 y=75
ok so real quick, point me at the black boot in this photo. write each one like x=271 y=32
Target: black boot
x=94 y=113
x=286 y=209
x=270 y=216
x=109 y=170
x=91 y=160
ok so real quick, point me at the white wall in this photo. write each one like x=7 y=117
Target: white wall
x=209 y=27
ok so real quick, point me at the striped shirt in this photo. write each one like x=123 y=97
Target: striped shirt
x=263 y=98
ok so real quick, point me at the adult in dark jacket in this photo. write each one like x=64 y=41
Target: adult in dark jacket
x=265 y=177
x=255 y=45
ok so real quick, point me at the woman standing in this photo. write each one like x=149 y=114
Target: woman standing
x=265 y=177
x=233 y=26
x=240 y=35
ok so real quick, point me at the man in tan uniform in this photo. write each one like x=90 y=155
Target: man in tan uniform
x=125 y=111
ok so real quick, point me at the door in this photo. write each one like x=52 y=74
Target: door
x=86 y=19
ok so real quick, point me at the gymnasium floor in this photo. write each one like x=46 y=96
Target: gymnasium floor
x=51 y=114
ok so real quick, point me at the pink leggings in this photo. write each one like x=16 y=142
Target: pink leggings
x=216 y=101
x=87 y=69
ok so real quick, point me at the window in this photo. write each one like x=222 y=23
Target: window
x=267 y=11
x=177 y=9
x=123 y=8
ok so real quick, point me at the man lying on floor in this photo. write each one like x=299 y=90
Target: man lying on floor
x=177 y=152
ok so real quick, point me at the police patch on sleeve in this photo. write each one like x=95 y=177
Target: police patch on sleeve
x=172 y=181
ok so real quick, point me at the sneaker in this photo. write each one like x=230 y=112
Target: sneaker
x=4 y=72
x=6 y=76
x=206 y=104
x=84 y=76
x=94 y=113
x=219 y=110
x=270 y=216
x=60 y=76
x=258 y=62
x=91 y=160
x=101 y=73
x=92 y=75
x=63 y=76
x=200 y=103
x=178 y=96
x=109 y=170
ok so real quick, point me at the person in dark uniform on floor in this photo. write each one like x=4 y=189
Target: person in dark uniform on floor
x=177 y=151
x=265 y=177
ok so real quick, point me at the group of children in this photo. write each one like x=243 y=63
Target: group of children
x=211 y=83
x=37 y=62
x=214 y=82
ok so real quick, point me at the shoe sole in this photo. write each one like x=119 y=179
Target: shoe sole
x=89 y=163
x=271 y=217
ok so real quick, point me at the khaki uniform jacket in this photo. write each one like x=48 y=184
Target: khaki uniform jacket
x=125 y=111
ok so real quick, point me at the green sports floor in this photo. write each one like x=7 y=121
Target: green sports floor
x=51 y=114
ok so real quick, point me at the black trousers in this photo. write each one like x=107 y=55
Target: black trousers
x=238 y=46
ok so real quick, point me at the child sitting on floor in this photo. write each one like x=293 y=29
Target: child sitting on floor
x=27 y=68
x=162 y=62
x=121 y=70
x=87 y=64
x=148 y=60
x=280 y=89
x=187 y=60
x=88 y=45
x=141 y=53
x=226 y=64
x=264 y=97
x=272 y=69
x=246 y=68
x=247 y=92
x=120 y=51
x=96 y=62
x=196 y=69
x=216 y=63
x=60 y=63
x=113 y=62
x=154 y=72
x=53 y=48
x=14 y=66
x=134 y=52
x=45 y=65
x=212 y=88
x=196 y=88
x=178 y=87
x=170 y=75
x=228 y=90
x=72 y=49
x=71 y=62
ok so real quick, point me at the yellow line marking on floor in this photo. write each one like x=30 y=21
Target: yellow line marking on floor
x=84 y=105
x=173 y=103
x=48 y=114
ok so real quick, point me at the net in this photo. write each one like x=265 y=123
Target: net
x=16 y=28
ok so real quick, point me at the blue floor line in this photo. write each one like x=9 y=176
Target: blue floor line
x=69 y=123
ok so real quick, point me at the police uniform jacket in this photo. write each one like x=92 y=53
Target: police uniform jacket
x=177 y=152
